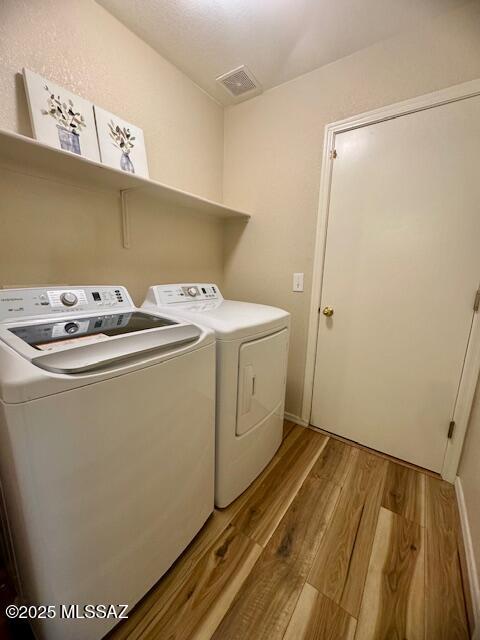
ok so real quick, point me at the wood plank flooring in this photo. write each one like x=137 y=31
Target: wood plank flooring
x=395 y=586
x=331 y=542
x=445 y=603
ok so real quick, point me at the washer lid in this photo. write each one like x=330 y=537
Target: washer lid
x=232 y=320
x=49 y=334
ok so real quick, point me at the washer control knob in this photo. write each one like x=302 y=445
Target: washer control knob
x=69 y=299
x=71 y=327
x=192 y=291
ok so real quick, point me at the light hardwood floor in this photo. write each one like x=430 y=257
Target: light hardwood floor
x=331 y=542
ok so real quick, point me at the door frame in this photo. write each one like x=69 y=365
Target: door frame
x=471 y=368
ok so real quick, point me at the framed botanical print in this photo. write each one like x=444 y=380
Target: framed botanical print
x=122 y=145
x=60 y=118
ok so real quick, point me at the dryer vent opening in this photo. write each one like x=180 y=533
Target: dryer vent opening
x=239 y=81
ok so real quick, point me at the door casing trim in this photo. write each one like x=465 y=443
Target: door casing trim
x=471 y=368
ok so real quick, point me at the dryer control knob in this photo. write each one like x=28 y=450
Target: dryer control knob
x=71 y=327
x=192 y=291
x=69 y=299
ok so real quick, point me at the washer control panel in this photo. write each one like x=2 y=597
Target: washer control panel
x=45 y=301
x=180 y=293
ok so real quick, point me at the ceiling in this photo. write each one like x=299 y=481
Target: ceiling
x=276 y=39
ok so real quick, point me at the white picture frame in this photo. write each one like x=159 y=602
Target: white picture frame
x=121 y=144
x=60 y=118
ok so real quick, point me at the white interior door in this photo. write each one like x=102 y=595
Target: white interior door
x=402 y=267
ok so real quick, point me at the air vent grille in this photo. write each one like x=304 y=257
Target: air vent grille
x=239 y=81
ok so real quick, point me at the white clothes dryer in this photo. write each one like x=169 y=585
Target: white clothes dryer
x=252 y=351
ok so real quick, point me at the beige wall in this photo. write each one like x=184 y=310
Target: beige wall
x=70 y=235
x=51 y=233
x=469 y=473
x=273 y=147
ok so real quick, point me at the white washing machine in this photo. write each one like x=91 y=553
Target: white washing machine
x=252 y=351
x=106 y=447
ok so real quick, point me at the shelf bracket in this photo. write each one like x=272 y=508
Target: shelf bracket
x=125 y=218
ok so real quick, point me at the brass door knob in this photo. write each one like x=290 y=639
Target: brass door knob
x=328 y=311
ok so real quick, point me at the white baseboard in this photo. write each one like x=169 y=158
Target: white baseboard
x=296 y=419
x=469 y=552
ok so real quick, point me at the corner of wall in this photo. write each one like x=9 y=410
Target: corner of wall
x=473 y=577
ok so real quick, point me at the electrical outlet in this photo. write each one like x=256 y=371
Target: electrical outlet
x=298 y=282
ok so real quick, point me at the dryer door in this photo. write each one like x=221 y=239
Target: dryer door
x=261 y=379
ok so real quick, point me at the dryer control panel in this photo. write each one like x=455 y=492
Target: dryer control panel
x=181 y=293
x=46 y=301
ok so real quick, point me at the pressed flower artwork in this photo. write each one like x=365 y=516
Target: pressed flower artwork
x=122 y=145
x=60 y=118
x=69 y=121
x=124 y=141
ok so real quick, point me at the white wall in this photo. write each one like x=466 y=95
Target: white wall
x=54 y=233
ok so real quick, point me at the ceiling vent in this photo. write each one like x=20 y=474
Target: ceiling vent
x=240 y=81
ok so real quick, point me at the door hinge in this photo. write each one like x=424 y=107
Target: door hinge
x=333 y=154
x=476 y=302
x=451 y=429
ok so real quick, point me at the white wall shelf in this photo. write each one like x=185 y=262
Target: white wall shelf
x=34 y=158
